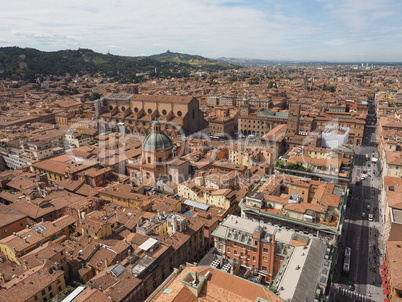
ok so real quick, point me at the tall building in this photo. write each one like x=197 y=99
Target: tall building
x=180 y=114
x=293 y=117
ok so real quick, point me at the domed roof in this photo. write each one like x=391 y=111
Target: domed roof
x=157 y=141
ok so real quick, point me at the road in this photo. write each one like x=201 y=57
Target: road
x=361 y=234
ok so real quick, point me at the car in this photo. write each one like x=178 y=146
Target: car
x=368 y=206
x=363 y=214
x=352 y=287
x=370 y=217
x=348 y=252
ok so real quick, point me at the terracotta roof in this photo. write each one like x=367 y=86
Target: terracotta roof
x=8 y=215
x=394 y=267
x=34 y=281
x=219 y=287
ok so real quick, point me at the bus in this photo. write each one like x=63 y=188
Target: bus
x=346 y=260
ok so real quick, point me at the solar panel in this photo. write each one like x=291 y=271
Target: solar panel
x=117 y=269
x=40 y=229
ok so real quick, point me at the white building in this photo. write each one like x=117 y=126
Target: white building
x=333 y=136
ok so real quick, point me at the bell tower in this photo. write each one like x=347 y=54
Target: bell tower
x=293 y=118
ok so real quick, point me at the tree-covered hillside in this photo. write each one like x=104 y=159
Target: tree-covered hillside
x=28 y=63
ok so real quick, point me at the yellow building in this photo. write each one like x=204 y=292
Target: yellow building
x=394 y=163
x=25 y=241
x=37 y=284
x=123 y=195
x=222 y=198
x=58 y=168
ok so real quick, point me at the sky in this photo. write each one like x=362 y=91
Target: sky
x=303 y=30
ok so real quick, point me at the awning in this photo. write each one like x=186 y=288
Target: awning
x=383 y=273
x=385 y=292
x=385 y=285
x=384 y=279
x=382 y=266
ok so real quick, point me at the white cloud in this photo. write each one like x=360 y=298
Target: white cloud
x=335 y=42
x=213 y=28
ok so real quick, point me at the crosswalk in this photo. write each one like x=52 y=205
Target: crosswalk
x=355 y=296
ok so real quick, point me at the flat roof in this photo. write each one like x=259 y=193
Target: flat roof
x=196 y=204
x=74 y=294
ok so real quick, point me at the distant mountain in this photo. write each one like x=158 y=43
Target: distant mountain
x=193 y=60
x=249 y=62
x=28 y=63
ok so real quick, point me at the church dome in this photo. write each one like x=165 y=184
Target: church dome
x=157 y=141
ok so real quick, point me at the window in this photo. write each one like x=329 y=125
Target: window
x=159 y=159
x=235 y=244
x=253 y=258
x=149 y=110
x=264 y=268
x=5 y=231
x=265 y=250
x=248 y=257
x=147 y=175
x=164 y=112
x=43 y=292
x=235 y=252
x=229 y=250
x=179 y=113
x=135 y=109
x=149 y=159
x=110 y=107
x=123 y=108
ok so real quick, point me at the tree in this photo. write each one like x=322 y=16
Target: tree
x=271 y=84
x=95 y=96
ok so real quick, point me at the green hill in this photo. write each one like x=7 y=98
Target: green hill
x=28 y=63
x=193 y=60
